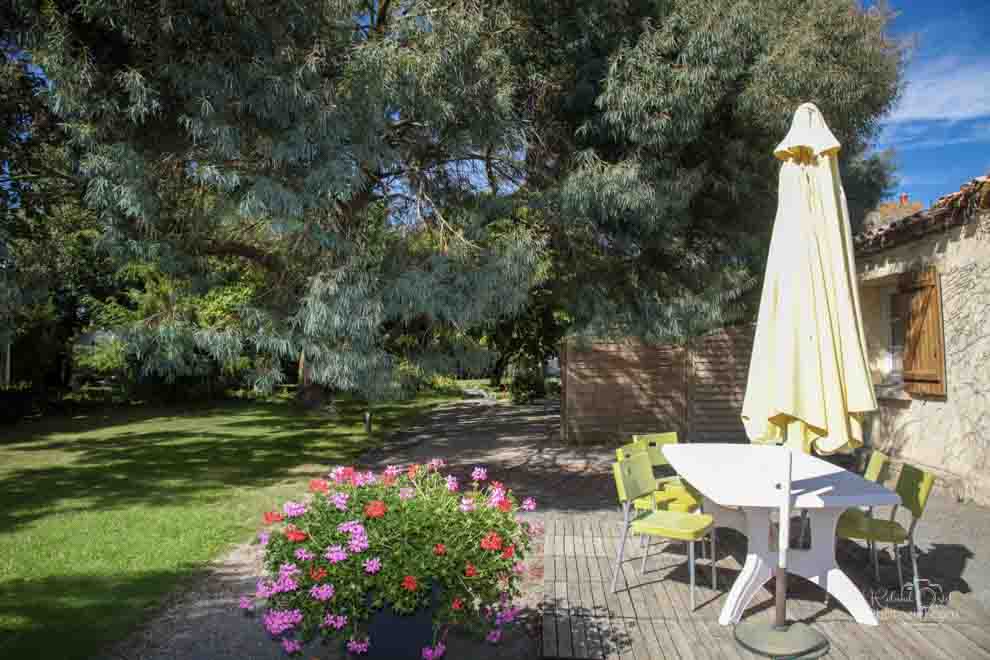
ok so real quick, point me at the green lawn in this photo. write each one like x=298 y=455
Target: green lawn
x=103 y=515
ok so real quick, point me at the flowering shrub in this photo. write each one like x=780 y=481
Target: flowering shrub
x=364 y=540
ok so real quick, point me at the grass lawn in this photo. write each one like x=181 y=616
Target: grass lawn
x=103 y=515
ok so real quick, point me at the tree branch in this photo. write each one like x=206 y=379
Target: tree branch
x=247 y=251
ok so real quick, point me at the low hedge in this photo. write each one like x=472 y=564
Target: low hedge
x=16 y=402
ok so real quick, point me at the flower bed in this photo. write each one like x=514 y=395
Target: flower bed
x=366 y=541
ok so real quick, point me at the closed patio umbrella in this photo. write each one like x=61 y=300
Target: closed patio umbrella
x=809 y=385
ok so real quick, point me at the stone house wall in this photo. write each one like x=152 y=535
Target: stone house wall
x=948 y=435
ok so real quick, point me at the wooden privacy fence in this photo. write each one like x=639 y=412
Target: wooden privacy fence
x=612 y=390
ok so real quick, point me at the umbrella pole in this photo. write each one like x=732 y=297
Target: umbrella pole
x=781 y=639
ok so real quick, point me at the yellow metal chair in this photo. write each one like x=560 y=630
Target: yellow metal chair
x=874 y=470
x=914 y=486
x=634 y=480
x=670 y=493
x=654 y=443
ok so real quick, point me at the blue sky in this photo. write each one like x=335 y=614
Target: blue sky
x=940 y=129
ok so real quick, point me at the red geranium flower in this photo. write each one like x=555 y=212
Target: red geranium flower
x=492 y=541
x=388 y=479
x=504 y=505
x=295 y=535
x=273 y=517
x=457 y=604
x=375 y=509
x=509 y=552
x=439 y=549
x=409 y=583
x=317 y=574
x=497 y=485
x=319 y=486
x=412 y=470
x=470 y=571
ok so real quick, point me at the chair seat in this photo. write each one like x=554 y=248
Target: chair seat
x=667 y=501
x=673 y=483
x=673 y=525
x=855 y=524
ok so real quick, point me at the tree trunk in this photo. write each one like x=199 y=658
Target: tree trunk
x=309 y=394
x=6 y=367
x=498 y=372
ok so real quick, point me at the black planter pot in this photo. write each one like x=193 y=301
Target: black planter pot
x=397 y=636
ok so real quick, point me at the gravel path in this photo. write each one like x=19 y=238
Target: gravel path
x=519 y=446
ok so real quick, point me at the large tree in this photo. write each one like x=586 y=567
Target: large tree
x=371 y=157
x=655 y=124
x=336 y=145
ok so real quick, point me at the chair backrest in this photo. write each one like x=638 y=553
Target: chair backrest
x=914 y=486
x=627 y=450
x=654 y=443
x=874 y=468
x=633 y=477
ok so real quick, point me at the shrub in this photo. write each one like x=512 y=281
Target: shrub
x=527 y=385
x=16 y=401
x=364 y=541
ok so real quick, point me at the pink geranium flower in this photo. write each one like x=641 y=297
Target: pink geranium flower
x=358 y=647
x=335 y=554
x=335 y=621
x=322 y=592
x=479 y=474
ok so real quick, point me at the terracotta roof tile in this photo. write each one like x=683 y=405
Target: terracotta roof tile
x=951 y=210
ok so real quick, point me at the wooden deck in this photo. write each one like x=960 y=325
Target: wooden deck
x=649 y=617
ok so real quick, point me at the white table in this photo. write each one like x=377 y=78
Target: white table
x=745 y=476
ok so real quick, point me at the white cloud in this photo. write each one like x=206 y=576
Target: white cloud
x=945 y=88
x=934 y=134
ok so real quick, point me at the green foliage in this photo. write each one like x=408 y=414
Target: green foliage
x=395 y=180
x=527 y=383
x=103 y=360
x=417 y=527
x=656 y=123
x=332 y=147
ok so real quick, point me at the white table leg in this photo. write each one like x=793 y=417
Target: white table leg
x=816 y=564
x=757 y=569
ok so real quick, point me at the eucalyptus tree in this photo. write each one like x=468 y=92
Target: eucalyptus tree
x=335 y=145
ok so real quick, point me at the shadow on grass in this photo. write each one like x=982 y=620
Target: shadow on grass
x=40 y=618
x=169 y=456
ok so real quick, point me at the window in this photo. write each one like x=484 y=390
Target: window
x=917 y=352
x=898 y=330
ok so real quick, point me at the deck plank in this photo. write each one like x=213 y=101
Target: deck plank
x=951 y=641
x=974 y=632
x=565 y=648
x=550 y=635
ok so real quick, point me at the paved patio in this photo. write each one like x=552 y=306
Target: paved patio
x=570 y=612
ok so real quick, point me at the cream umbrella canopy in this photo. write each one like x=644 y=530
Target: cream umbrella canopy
x=808 y=377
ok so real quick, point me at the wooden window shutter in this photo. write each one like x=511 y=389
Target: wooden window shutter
x=920 y=302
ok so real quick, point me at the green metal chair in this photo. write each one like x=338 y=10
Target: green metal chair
x=669 y=494
x=634 y=480
x=914 y=486
x=654 y=444
x=874 y=470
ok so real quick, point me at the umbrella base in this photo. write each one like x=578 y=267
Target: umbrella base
x=794 y=640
